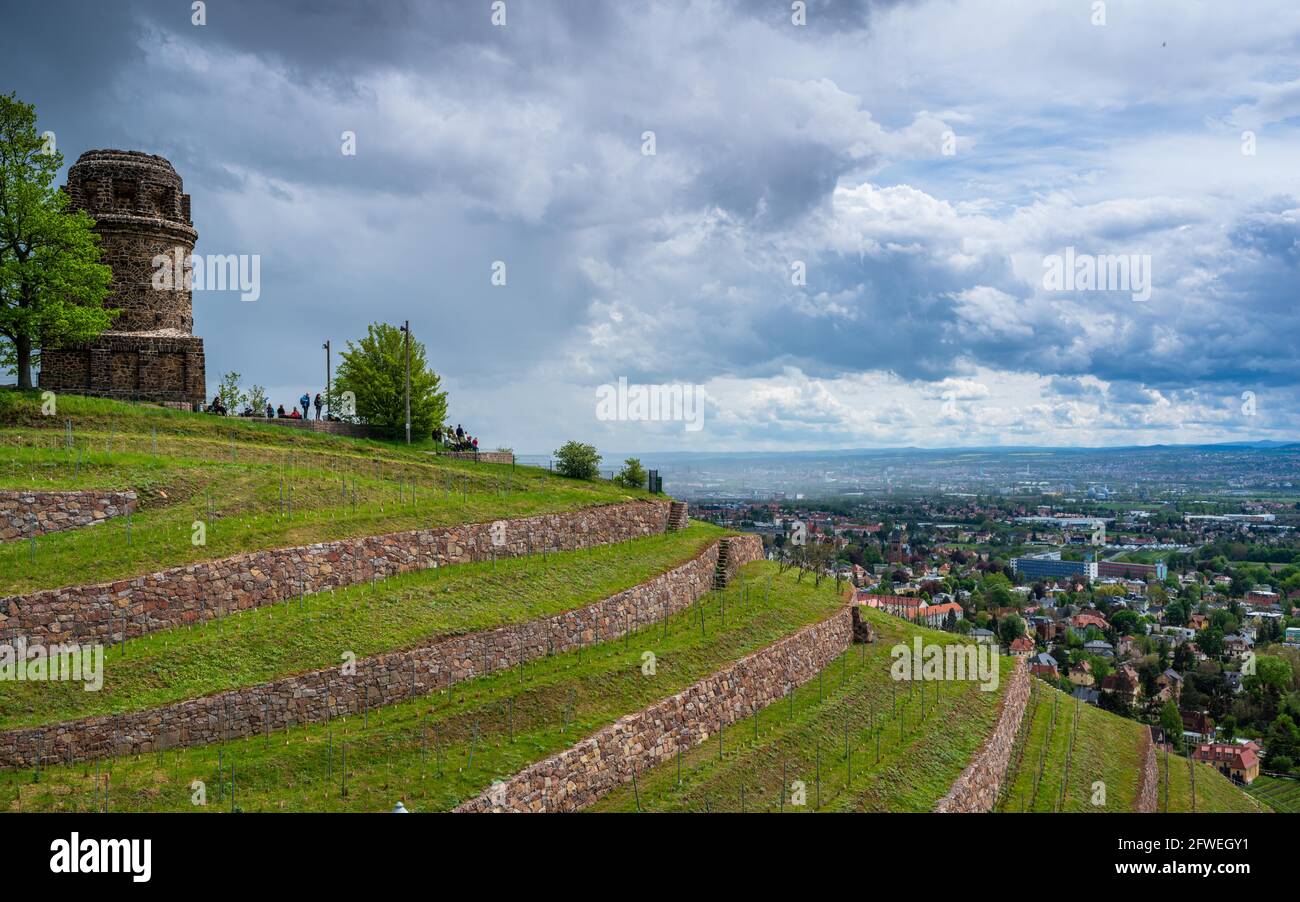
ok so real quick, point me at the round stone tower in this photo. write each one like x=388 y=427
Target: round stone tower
x=141 y=213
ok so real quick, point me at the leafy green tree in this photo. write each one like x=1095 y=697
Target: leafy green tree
x=1272 y=673
x=374 y=370
x=1283 y=739
x=1172 y=724
x=52 y=285
x=577 y=461
x=1210 y=641
x=229 y=392
x=632 y=475
x=1176 y=613
x=257 y=399
x=1125 y=622
x=1010 y=628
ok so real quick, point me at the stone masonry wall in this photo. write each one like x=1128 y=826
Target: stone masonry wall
x=578 y=776
x=486 y=457
x=379 y=680
x=25 y=514
x=1149 y=777
x=976 y=789
x=331 y=427
x=141 y=212
x=203 y=591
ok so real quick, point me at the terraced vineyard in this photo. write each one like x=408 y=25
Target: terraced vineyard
x=1189 y=786
x=436 y=751
x=853 y=740
x=255 y=486
x=259 y=645
x=1276 y=793
x=850 y=739
x=1065 y=749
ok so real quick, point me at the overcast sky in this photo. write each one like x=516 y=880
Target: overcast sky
x=920 y=161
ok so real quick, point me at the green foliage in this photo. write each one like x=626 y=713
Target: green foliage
x=1125 y=622
x=577 y=461
x=52 y=285
x=632 y=475
x=1271 y=673
x=374 y=370
x=230 y=394
x=1280 y=764
x=1172 y=724
x=1283 y=739
x=257 y=399
x=1010 y=628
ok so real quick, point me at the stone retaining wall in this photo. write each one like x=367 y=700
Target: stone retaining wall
x=578 y=776
x=329 y=427
x=486 y=457
x=976 y=789
x=379 y=680
x=203 y=591
x=24 y=514
x=1149 y=777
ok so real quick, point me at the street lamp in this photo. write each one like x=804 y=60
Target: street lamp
x=406 y=329
x=328 y=378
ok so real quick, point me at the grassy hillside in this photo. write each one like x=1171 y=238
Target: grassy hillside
x=854 y=737
x=1063 y=748
x=1066 y=747
x=255 y=486
x=436 y=751
x=1277 y=793
x=1187 y=786
x=259 y=645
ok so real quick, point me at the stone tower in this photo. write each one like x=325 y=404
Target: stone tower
x=150 y=352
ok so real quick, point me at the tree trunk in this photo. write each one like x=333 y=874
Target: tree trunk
x=23 y=349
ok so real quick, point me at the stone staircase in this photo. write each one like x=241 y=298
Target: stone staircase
x=720 y=574
x=677 y=515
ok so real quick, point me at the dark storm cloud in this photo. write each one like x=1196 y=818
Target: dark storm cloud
x=775 y=143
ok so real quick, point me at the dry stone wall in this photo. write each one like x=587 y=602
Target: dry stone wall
x=328 y=427
x=1149 y=778
x=486 y=457
x=24 y=514
x=976 y=789
x=203 y=591
x=379 y=680
x=577 y=777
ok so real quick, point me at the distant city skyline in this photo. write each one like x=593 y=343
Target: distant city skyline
x=866 y=231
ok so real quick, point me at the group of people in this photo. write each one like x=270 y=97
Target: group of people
x=218 y=407
x=457 y=439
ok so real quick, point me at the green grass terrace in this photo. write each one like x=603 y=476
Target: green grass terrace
x=853 y=739
x=255 y=486
x=434 y=752
x=311 y=633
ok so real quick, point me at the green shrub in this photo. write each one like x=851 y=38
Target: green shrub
x=577 y=461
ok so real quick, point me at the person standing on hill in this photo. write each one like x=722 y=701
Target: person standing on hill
x=319 y=405
x=305 y=402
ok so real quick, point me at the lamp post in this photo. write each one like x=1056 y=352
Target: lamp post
x=406 y=330
x=328 y=378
